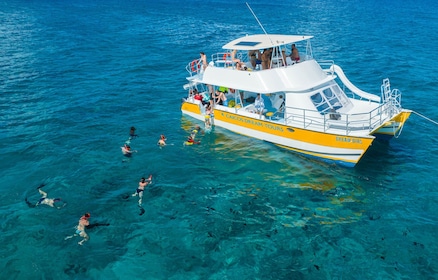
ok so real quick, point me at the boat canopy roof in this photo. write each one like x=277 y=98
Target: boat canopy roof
x=263 y=41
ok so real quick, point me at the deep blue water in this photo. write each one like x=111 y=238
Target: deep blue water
x=76 y=75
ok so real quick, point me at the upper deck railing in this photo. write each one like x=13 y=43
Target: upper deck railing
x=225 y=59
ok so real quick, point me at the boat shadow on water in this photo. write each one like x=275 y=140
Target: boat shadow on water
x=384 y=153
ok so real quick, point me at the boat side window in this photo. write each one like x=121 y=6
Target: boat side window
x=332 y=98
x=320 y=103
x=343 y=100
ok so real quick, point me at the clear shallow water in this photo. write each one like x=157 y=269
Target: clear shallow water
x=76 y=76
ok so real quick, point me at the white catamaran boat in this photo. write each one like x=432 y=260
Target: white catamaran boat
x=309 y=106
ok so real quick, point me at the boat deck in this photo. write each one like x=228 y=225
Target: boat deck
x=347 y=124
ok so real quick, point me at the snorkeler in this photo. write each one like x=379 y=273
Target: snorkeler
x=141 y=185
x=80 y=229
x=132 y=133
x=45 y=200
x=191 y=138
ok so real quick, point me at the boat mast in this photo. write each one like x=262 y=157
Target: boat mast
x=252 y=12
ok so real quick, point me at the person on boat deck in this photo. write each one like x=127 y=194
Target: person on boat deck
x=162 y=141
x=294 y=55
x=220 y=98
x=266 y=58
x=141 y=185
x=193 y=92
x=205 y=98
x=259 y=104
x=203 y=60
x=283 y=54
x=80 y=229
x=255 y=57
x=240 y=65
x=197 y=96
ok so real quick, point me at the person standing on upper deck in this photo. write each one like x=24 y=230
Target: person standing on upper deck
x=283 y=54
x=239 y=64
x=295 y=55
x=266 y=59
x=203 y=60
x=254 y=57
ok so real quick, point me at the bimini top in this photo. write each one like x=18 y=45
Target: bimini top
x=263 y=41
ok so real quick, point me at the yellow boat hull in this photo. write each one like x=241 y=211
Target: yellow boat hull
x=346 y=150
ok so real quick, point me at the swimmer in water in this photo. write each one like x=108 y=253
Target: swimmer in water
x=132 y=135
x=191 y=138
x=80 y=229
x=141 y=185
x=126 y=150
x=45 y=200
x=162 y=141
x=132 y=132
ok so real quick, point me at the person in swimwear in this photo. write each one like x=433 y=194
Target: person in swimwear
x=45 y=200
x=240 y=65
x=132 y=132
x=191 y=138
x=255 y=57
x=126 y=150
x=193 y=135
x=207 y=123
x=162 y=141
x=295 y=55
x=220 y=98
x=203 y=60
x=141 y=185
x=80 y=229
x=266 y=58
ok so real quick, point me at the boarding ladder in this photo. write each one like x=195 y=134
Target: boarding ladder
x=391 y=98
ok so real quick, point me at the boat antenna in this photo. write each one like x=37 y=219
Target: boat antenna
x=252 y=12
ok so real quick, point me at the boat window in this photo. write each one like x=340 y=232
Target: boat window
x=343 y=100
x=316 y=98
x=332 y=98
x=320 y=102
x=336 y=90
x=326 y=100
x=247 y=43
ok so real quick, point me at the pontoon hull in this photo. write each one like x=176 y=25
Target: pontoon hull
x=393 y=127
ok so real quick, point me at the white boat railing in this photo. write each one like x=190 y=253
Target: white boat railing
x=194 y=67
x=326 y=65
x=223 y=59
x=340 y=121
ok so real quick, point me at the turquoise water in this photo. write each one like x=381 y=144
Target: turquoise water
x=75 y=76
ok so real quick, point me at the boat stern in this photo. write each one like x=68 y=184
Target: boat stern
x=393 y=127
x=192 y=109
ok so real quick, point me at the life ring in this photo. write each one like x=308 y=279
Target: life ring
x=225 y=56
x=194 y=65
